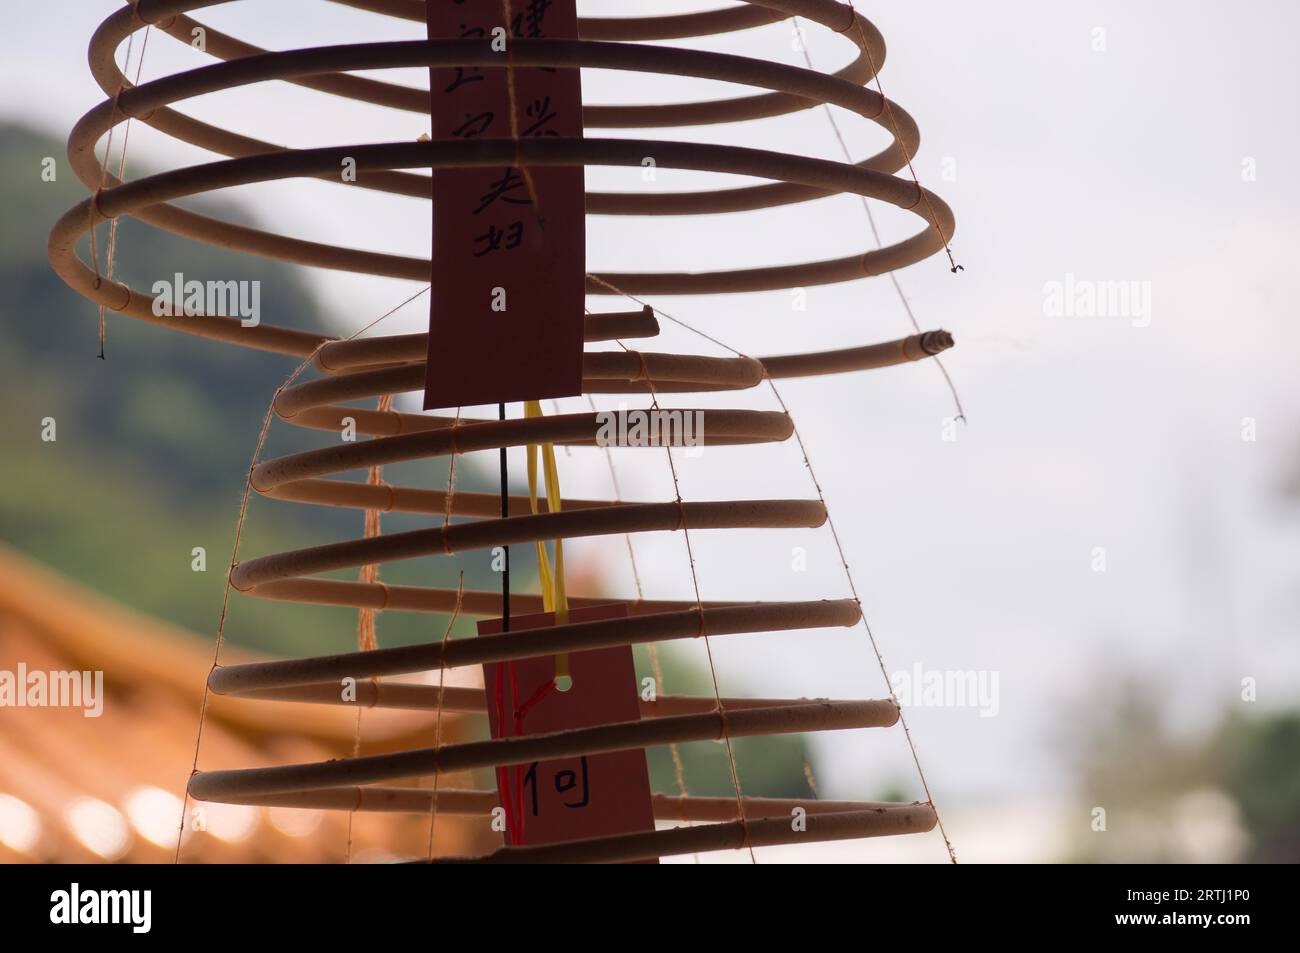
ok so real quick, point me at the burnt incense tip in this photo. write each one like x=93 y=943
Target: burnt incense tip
x=936 y=342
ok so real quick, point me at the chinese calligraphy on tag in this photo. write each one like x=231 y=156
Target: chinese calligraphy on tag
x=568 y=798
x=509 y=244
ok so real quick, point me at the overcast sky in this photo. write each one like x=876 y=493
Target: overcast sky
x=1161 y=150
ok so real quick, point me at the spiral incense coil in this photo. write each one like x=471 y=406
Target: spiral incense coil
x=377 y=367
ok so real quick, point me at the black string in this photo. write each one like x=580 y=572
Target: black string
x=505 y=513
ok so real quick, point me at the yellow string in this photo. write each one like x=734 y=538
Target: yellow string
x=554 y=597
x=533 y=409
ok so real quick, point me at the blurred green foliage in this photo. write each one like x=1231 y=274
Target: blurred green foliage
x=1257 y=760
x=1229 y=791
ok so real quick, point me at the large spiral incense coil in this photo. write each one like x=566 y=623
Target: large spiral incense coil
x=374 y=367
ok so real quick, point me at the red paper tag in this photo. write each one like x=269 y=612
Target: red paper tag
x=568 y=799
x=508 y=279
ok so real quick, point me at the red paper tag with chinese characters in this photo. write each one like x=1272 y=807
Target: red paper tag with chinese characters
x=509 y=274
x=567 y=799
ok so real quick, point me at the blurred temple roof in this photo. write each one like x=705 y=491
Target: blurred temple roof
x=83 y=789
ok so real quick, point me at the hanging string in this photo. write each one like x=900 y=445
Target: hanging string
x=871 y=216
x=121 y=173
x=553 y=597
x=553 y=592
x=893 y=121
x=880 y=659
x=618 y=498
x=514 y=813
x=352 y=813
x=505 y=514
x=367 y=639
x=717 y=694
x=451 y=481
x=699 y=608
x=875 y=647
x=907 y=308
x=652 y=649
x=234 y=555
x=437 y=722
x=645 y=304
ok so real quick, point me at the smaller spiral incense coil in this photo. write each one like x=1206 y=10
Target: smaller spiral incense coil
x=352 y=370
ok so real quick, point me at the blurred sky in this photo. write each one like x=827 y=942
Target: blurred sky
x=1116 y=165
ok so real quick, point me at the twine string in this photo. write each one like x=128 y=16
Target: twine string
x=234 y=555
x=679 y=769
x=871 y=216
x=880 y=660
x=699 y=607
x=367 y=638
x=437 y=722
x=121 y=172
